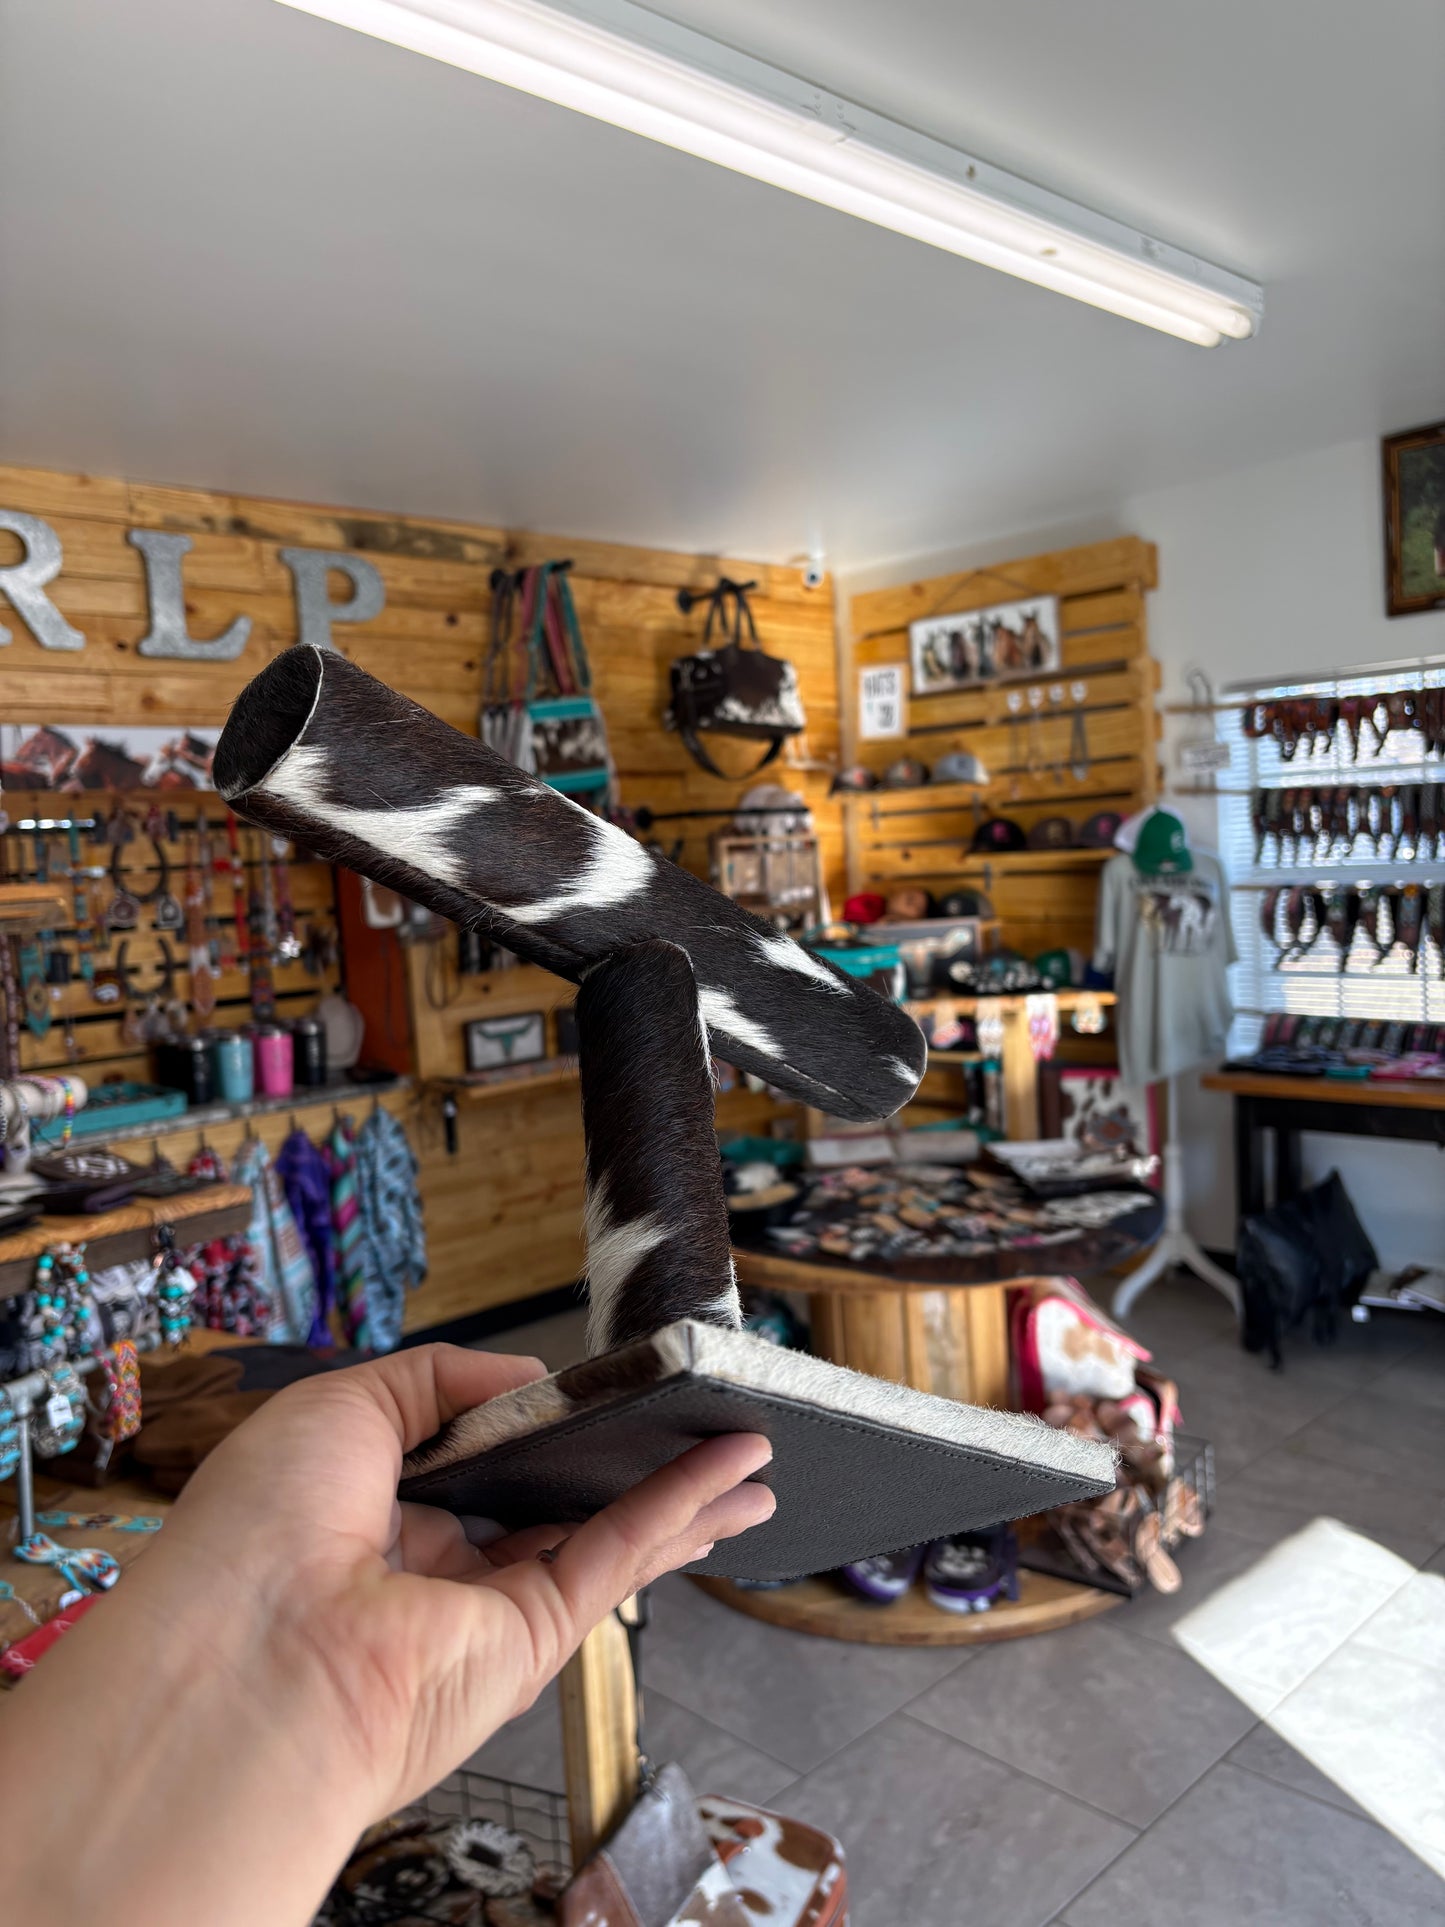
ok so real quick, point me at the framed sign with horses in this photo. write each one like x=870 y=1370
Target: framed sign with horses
x=983 y=646
x=52 y=756
x=1414 y=487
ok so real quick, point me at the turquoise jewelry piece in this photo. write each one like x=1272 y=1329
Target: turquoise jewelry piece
x=58 y=1419
x=9 y=1597
x=100 y=1521
x=9 y=1438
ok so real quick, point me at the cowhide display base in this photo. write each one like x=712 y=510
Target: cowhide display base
x=860 y=1466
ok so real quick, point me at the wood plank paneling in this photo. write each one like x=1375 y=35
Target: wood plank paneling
x=1044 y=899
x=504 y=1215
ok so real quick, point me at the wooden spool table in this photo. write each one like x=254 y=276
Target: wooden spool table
x=946 y=1338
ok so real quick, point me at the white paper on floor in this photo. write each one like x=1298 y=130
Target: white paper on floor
x=1339 y=1646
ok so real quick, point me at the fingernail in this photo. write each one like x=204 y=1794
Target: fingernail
x=481 y=1532
x=703 y=1551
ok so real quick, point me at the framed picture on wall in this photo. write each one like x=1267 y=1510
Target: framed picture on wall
x=495 y=1043
x=1414 y=489
x=985 y=646
x=80 y=756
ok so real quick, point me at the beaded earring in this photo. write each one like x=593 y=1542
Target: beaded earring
x=58 y=1421
x=62 y=1299
x=9 y=1597
x=85 y=1567
x=120 y=1414
x=100 y=1521
x=175 y=1288
x=9 y=1438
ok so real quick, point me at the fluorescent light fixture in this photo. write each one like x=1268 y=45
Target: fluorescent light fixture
x=623 y=64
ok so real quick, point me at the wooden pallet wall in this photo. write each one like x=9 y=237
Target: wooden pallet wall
x=504 y=1215
x=922 y=835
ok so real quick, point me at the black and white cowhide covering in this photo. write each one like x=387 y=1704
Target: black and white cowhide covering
x=318 y=750
x=656 y=1219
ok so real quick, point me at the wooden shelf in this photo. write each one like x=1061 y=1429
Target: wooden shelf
x=31 y=906
x=553 y=1078
x=821 y=1607
x=1421 y=1094
x=114 y=1237
x=1066 y=999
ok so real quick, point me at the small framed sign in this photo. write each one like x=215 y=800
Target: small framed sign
x=880 y=702
x=494 y=1043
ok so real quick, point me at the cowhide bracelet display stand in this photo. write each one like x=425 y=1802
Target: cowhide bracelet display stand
x=671 y=974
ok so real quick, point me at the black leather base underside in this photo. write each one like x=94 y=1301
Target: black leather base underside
x=847 y=1486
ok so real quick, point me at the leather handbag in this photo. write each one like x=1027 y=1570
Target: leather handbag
x=731 y=686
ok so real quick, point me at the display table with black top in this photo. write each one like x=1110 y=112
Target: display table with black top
x=1289 y=1106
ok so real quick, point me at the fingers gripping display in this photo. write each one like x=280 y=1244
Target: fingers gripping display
x=320 y=751
x=670 y=973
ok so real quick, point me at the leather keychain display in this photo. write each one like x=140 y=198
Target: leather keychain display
x=198 y=954
x=167 y=913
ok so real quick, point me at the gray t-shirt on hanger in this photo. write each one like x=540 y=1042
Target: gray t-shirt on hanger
x=1169 y=944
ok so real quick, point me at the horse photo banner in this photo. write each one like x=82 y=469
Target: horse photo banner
x=70 y=757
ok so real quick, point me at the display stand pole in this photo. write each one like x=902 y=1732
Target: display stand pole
x=599 y=1736
x=1176 y=1245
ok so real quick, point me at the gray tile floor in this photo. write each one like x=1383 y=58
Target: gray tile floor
x=1105 y=1776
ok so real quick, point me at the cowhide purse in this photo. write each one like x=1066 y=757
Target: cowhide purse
x=670 y=972
x=559 y=736
x=733 y=688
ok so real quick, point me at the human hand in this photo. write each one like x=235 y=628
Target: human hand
x=426 y=1642
x=297 y=1654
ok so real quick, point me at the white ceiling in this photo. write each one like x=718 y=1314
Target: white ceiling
x=243 y=248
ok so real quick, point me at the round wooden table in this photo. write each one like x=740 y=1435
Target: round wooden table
x=947 y=1338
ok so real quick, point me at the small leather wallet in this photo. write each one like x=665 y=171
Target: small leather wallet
x=860 y=1465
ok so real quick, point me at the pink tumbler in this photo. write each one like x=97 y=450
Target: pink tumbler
x=274 y=1063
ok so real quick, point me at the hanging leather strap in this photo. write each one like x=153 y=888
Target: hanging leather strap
x=694 y=748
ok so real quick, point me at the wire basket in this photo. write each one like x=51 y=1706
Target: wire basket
x=400 y=1874
x=1183 y=1509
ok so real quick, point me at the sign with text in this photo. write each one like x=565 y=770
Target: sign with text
x=880 y=703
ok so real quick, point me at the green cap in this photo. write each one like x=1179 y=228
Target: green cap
x=1161 y=849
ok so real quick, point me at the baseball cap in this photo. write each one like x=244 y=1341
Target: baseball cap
x=965 y=903
x=1098 y=831
x=1052 y=833
x=1162 y=849
x=866 y=907
x=959 y=766
x=909 y=905
x=906 y=774
x=997 y=836
x=856 y=778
